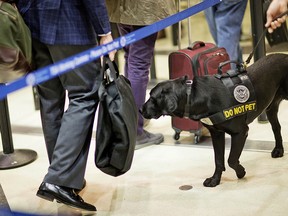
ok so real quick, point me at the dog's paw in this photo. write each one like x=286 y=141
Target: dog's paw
x=211 y=182
x=240 y=172
x=277 y=152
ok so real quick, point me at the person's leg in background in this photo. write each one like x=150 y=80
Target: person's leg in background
x=138 y=58
x=225 y=21
x=210 y=18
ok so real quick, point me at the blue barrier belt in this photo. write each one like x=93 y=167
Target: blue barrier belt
x=63 y=66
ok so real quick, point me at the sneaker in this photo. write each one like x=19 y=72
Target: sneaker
x=147 y=138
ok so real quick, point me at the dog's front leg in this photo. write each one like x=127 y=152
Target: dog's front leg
x=218 y=141
x=237 y=144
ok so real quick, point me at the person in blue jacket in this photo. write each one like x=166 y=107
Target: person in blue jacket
x=59 y=29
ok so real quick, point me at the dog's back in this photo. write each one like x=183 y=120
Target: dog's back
x=269 y=76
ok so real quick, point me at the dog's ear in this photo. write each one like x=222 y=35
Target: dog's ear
x=171 y=103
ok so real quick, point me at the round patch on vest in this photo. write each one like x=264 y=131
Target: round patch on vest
x=241 y=93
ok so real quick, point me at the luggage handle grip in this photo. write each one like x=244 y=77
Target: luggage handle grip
x=222 y=64
x=196 y=45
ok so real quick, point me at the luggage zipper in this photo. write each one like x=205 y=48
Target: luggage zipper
x=209 y=58
x=196 y=57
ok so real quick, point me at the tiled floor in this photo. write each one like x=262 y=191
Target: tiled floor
x=161 y=175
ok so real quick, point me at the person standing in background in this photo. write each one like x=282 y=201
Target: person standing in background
x=129 y=16
x=225 y=21
x=276 y=8
x=60 y=29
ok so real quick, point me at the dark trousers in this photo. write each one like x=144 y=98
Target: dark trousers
x=67 y=129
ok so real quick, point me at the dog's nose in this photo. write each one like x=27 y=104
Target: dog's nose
x=144 y=113
x=140 y=111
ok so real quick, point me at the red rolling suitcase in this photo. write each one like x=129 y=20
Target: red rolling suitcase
x=198 y=59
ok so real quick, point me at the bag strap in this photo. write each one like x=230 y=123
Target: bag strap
x=110 y=69
x=239 y=66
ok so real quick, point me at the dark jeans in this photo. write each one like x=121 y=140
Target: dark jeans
x=225 y=21
x=138 y=57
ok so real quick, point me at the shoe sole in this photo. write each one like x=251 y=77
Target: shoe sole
x=50 y=197
x=156 y=142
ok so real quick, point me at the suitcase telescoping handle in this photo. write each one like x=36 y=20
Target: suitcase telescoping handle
x=195 y=45
x=238 y=65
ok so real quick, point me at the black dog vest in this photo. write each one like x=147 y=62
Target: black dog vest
x=242 y=97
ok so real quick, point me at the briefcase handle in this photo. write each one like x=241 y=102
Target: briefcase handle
x=109 y=69
x=196 y=45
x=240 y=67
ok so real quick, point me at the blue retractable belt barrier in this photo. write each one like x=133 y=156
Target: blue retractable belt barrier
x=63 y=66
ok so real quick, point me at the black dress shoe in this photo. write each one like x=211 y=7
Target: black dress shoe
x=64 y=195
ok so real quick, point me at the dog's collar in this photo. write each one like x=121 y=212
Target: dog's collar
x=188 y=92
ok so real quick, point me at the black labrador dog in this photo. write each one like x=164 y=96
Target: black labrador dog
x=268 y=75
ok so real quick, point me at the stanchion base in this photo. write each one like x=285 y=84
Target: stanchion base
x=19 y=157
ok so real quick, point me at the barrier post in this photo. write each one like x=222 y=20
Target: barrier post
x=257 y=23
x=5 y=128
x=9 y=157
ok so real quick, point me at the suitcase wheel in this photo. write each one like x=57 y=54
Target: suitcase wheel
x=197 y=135
x=196 y=139
x=177 y=135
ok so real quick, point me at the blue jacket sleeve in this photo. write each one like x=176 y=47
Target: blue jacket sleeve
x=97 y=12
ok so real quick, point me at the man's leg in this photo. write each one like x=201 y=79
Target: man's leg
x=65 y=140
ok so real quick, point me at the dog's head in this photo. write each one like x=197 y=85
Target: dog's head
x=165 y=98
